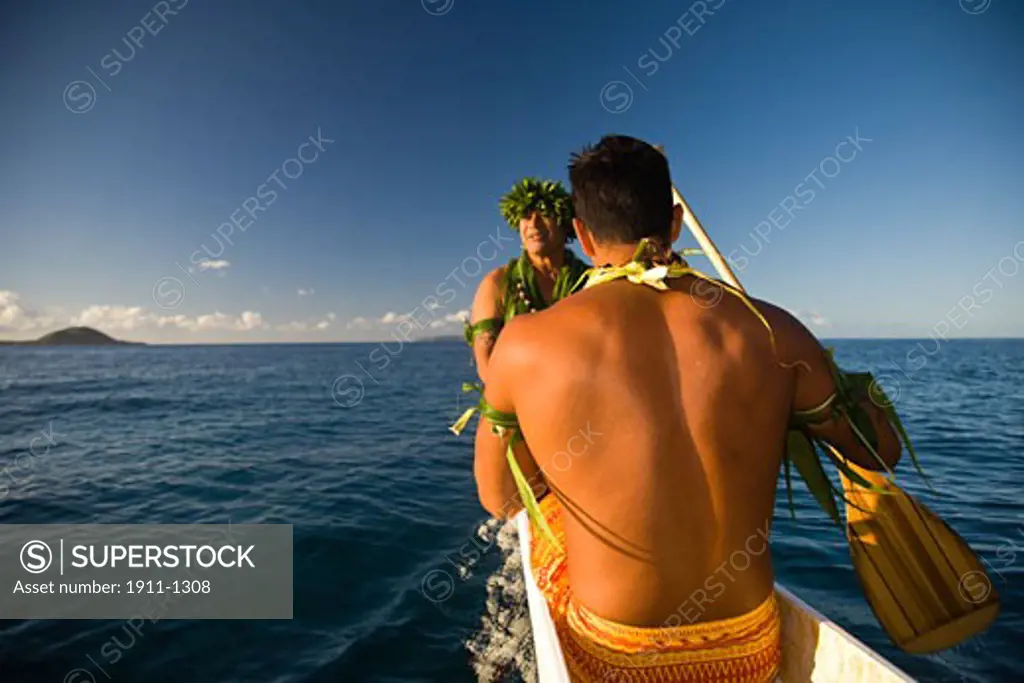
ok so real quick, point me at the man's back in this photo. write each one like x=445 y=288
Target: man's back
x=659 y=419
x=682 y=408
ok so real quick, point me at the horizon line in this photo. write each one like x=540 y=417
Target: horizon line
x=451 y=338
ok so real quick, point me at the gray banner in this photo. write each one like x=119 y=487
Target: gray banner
x=156 y=571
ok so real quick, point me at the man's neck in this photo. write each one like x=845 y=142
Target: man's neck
x=547 y=265
x=621 y=254
x=614 y=254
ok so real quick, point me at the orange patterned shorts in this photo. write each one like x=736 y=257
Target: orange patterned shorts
x=744 y=649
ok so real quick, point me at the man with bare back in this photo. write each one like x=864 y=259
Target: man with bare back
x=691 y=388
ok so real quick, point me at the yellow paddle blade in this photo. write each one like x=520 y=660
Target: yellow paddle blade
x=925 y=585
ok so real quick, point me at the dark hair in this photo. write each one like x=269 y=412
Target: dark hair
x=622 y=191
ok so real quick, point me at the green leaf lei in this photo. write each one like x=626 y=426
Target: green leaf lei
x=521 y=293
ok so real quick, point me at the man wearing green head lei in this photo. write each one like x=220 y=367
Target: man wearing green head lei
x=545 y=272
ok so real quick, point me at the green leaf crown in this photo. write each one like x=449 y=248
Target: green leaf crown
x=547 y=197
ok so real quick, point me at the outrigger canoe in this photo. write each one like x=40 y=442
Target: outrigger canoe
x=814 y=649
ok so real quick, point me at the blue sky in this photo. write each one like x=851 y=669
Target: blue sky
x=117 y=167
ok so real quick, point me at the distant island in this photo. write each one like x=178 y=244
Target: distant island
x=74 y=336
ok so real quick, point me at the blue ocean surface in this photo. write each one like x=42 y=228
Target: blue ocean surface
x=388 y=571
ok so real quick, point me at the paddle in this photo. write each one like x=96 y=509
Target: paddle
x=927 y=588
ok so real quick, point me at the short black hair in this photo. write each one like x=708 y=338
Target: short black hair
x=622 y=190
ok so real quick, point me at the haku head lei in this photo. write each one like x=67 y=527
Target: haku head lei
x=530 y=195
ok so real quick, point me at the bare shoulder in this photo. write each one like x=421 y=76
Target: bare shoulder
x=782 y=321
x=492 y=282
x=487 y=300
x=794 y=341
x=523 y=332
x=533 y=338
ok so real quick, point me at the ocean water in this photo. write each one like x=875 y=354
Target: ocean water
x=389 y=568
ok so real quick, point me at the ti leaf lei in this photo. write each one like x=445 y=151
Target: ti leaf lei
x=521 y=293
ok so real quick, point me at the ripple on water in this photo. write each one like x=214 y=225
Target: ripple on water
x=381 y=494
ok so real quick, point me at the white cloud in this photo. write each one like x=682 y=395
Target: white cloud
x=13 y=316
x=250 y=320
x=213 y=265
x=812 y=318
x=303 y=326
x=109 y=318
x=458 y=316
x=17 y=320
x=247 y=321
x=307 y=292
x=209 y=321
x=173 y=321
x=420 y=321
x=11 y=313
x=452 y=318
x=324 y=323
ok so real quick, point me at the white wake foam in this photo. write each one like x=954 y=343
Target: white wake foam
x=502 y=650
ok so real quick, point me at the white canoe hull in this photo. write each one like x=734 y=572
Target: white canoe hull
x=814 y=649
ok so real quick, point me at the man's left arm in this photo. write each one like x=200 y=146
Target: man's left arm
x=494 y=482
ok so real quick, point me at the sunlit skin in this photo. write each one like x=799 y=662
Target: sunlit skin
x=544 y=242
x=687 y=406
